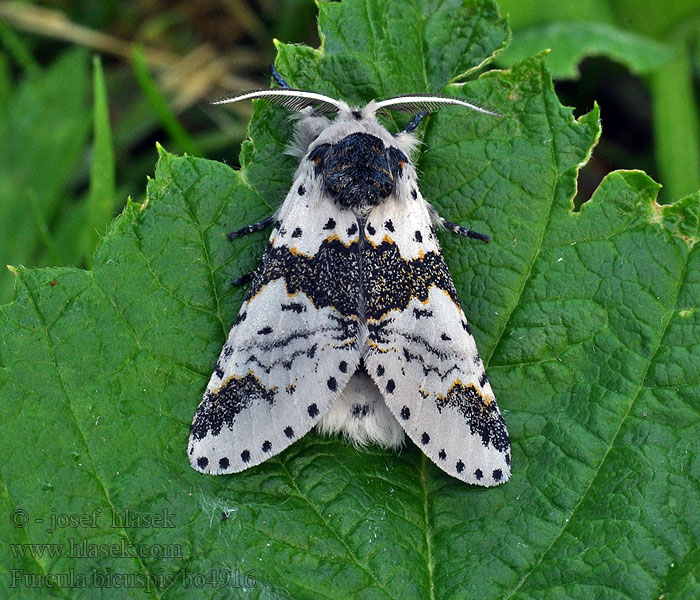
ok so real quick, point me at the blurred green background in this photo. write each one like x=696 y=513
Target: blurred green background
x=88 y=87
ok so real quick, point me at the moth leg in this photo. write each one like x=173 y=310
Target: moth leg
x=245 y=279
x=278 y=78
x=454 y=228
x=415 y=121
x=458 y=229
x=250 y=228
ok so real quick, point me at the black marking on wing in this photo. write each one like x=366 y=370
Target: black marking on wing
x=294 y=306
x=218 y=369
x=220 y=408
x=428 y=368
x=329 y=278
x=482 y=417
x=390 y=281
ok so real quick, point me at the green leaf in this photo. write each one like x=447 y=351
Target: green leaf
x=100 y=201
x=587 y=321
x=570 y=43
x=43 y=131
x=160 y=105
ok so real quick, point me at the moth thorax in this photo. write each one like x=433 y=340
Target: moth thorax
x=358 y=171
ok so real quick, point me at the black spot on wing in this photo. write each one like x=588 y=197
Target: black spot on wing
x=330 y=224
x=483 y=379
x=418 y=236
x=405 y=413
x=218 y=370
x=224 y=463
x=352 y=230
x=267 y=446
x=425 y=438
x=202 y=462
x=497 y=474
x=312 y=409
x=479 y=474
x=459 y=466
x=297 y=232
x=302 y=190
x=442 y=454
x=289 y=432
x=245 y=456
x=389 y=226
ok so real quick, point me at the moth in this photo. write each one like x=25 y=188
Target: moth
x=352 y=323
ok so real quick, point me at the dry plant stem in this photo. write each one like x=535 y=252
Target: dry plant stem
x=196 y=76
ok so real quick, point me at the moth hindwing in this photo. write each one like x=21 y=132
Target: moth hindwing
x=352 y=322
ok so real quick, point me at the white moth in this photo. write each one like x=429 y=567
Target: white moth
x=352 y=322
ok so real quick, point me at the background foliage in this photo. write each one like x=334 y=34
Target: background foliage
x=587 y=319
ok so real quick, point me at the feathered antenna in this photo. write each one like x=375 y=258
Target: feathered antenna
x=292 y=99
x=411 y=103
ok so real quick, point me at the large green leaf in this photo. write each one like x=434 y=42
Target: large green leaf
x=587 y=321
x=571 y=42
x=43 y=130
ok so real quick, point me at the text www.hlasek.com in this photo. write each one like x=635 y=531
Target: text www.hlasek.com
x=84 y=549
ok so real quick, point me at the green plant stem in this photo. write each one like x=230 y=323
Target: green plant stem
x=676 y=126
x=160 y=105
